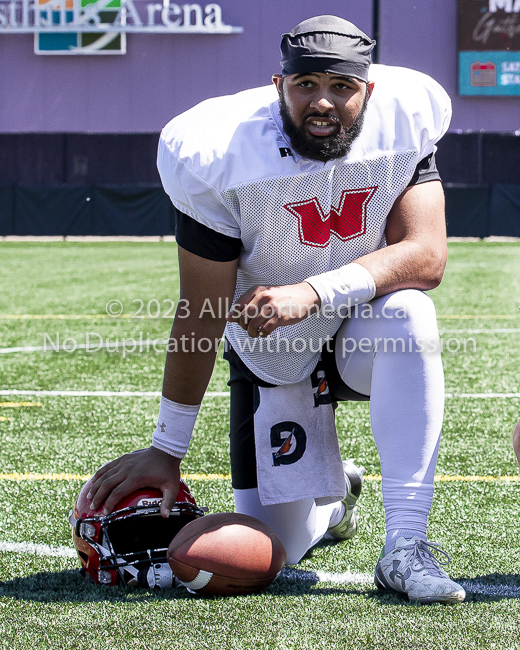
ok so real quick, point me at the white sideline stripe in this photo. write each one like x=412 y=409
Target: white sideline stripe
x=37 y=549
x=482 y=395
x=139 y=345
x=503 y=330
x=84 y=346
x=210 y=393
x=298 y=575
x=100 y=393
x=346 y=578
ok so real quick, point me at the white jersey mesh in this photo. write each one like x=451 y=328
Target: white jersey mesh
x=304 y=224
x=225 y=164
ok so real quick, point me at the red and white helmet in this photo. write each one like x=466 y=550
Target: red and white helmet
x=128 y=546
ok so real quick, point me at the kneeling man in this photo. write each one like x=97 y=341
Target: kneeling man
x=315 y=208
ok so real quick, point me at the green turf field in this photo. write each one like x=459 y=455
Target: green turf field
x=56 y=293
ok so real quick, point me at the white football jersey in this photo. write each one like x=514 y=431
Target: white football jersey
x=225 y=163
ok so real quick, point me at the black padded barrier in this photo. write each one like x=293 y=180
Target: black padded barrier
x=7 y=213
x=471 y=210
x=61 y=210
x=111 y=158
x=501 y=158
x=458 y=158
x=99 y=210
x=132 y=211
x=504 y=214
x=467 y=210
x=130 y=158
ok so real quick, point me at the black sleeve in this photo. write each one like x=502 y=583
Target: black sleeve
x=203 y=241
x=425 y=171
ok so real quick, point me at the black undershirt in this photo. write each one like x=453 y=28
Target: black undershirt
x=212 y=245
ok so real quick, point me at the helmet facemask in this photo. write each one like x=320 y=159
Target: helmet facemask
x=129 y=546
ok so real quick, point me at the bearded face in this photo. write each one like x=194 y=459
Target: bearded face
x=316 y=146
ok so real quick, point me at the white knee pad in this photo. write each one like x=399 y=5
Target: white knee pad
x=402 y=322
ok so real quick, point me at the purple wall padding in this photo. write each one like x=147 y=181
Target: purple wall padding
x=422 y=34
x=159 y=77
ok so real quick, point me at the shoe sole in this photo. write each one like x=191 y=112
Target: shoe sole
x=452 y=599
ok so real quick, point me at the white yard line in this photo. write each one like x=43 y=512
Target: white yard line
x=482 y=395
x=347 y=578
x=502 y=330
x=215 y=393
x=139 y=345
x=100 y=393
x=296 y=575
x=37 y=549
x=471 y=586
x=133 y=345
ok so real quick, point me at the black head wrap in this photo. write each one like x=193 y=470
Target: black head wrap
x=327 y=44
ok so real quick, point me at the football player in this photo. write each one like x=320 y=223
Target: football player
x=315 y=208
x=516 y=440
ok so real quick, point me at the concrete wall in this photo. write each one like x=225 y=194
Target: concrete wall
x=162 y=75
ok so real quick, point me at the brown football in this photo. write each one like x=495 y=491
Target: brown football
x=226 y=554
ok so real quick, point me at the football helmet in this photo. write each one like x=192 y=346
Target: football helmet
x=128 y=546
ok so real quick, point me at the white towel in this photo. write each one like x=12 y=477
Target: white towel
x=297 y=451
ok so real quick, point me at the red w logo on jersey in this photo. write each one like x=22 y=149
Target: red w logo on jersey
x=347 y=221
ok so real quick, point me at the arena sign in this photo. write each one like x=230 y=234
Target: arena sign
x=100 y=26
x=489 y=47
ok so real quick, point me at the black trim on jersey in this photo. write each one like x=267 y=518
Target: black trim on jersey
x=425 y=171
x=203 y=241
x=212 y=245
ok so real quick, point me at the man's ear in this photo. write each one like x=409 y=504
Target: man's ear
x=278 y=82
x=370 y=88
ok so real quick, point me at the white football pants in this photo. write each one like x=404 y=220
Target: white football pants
x=388 y=349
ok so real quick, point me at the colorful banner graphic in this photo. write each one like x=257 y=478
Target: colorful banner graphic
x=489 y=47
x=100 y=26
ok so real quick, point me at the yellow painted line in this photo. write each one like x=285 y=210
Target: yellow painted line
x=60 y=316
x=207 y=477
x=6 y=405
x=33 y=476
x=476 y=479
x=439 y=478
x=455 y=478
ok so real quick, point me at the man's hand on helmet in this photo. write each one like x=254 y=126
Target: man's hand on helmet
x=149 y=467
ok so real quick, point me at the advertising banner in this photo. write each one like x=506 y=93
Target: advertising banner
x=100 y=26
x=489 y=47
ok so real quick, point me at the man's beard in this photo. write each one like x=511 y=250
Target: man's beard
x=321 y=148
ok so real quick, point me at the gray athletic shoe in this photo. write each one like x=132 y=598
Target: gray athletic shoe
x=411 y=569
x=347 y=527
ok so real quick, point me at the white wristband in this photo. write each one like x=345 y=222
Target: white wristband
x=349 y=285
x=174 y=427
